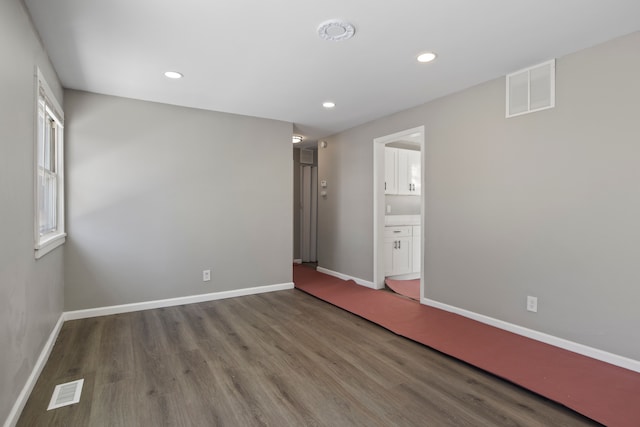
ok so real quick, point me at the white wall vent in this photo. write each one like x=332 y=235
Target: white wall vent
x=306 y=156
x=66 y=394
x=531 y=89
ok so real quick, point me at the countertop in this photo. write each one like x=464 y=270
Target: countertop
x=395 y=220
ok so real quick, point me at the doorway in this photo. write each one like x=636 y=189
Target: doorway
x=414 y=136
x=308 y=213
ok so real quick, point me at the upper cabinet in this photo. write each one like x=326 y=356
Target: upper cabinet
x=409 y=172
x=402 y=172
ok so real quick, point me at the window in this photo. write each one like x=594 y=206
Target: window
x=49 y=170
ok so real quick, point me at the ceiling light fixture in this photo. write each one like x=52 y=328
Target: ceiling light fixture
x=328 y=104
x=296 y=139
x=336 y=30
x=426 y=57
x=173 y=75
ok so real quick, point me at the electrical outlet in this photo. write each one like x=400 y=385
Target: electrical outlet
x=206 y=275
x=388 y=209
x=532 y=304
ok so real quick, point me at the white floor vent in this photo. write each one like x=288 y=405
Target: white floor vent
x=66 y=394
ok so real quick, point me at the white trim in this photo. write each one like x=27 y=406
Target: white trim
x=360 y=282
x=21 y=401
x=45 y=244
x=170 y=302
x=49 y=245
x=43 y=82
x=594 y=353
x=297 y=261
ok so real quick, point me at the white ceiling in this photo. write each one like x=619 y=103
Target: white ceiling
x=264 y=58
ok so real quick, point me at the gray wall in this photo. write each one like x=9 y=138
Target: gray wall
x=158 y=193
x=545 y=204
x=345 y=215
x=30 y=291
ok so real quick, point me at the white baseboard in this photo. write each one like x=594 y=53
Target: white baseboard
x=147 y=305
x=594 y=353
x=346 y=277
x=21 y=401
x=297 y=261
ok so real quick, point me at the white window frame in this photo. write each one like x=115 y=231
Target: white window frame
x=49 y=133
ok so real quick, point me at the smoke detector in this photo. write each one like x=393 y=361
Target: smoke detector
x=336 y=30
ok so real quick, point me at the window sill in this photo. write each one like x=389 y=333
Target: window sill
x=50 y=244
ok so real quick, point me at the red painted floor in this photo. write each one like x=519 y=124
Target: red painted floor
x=603 y=392
x=408 y=288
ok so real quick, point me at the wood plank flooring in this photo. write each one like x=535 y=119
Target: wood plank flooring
x=276 y=359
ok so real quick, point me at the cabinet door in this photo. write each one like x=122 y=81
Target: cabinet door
x=397 y=256
x=390 y=170
x=409 y=173
x=397 y=250
x=402 y=256
x=414 y=171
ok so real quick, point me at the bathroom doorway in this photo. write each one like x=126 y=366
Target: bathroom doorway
x=398 y=207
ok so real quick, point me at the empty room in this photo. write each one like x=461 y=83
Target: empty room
x=319 y=213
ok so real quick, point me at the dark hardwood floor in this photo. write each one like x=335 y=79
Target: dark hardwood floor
x=277 y=359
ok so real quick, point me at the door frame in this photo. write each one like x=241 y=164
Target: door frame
x=308 y=213
x=379 y=202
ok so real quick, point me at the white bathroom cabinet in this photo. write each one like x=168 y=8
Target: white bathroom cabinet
x=402 y=172
x=397 y=250
x=409 y=174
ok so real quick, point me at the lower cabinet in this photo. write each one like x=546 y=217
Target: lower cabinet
x=401 y=250
x=397 y=250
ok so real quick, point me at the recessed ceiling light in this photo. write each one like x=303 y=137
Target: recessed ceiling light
x=426 y=57
x=336 y=30
x=328 y=104
x=296 y=139
x=173 y=75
